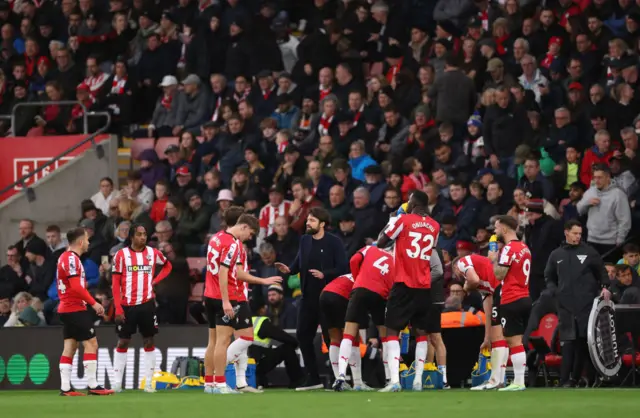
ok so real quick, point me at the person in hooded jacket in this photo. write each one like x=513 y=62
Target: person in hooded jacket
x=151 y=169
x=576 y=274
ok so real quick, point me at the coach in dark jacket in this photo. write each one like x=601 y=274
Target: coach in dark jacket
x=321 y=258
x=576 y=274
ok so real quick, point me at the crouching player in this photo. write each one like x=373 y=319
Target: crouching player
x=373 y=270
x=477 y=271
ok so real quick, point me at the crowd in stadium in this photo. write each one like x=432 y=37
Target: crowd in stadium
x=528 y=108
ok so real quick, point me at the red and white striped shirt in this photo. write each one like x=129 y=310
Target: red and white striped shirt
x=96 y=83
x=136 y=270
x=223 y=250
x=269 y=213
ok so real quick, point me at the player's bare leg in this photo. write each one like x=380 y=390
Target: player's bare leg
x=393 y=361
x=422 y=347
x=66 y=360
x=237 y=354
x=519 y=361
x=119 y=363
x=438 y=348
x=149 y=363
x=223 y=339
x=90 y=361
x=209 y=368
x=499 y=359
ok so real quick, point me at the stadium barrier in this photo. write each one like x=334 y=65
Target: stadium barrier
x=29 y=356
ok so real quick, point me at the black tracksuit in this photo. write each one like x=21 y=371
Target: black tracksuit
x=576 y=274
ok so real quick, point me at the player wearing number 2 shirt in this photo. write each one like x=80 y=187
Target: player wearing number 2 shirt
x=415 y=235
x=513 y=266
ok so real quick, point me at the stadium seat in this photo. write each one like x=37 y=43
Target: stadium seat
x=197 y=292
x=163 y=144
x=139 y=145
x=547 y=346
x=197 y=263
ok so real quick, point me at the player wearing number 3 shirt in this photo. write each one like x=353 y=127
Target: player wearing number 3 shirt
x=513 y=266
x=415 y=235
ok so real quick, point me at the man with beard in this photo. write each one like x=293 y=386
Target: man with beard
x=321 y=258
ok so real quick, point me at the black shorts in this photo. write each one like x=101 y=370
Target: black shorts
x=217 y=317
x=77 y=325
x=408 y=306
x=495 y=310
x=140 y=318
x=333 y=309
x=362 y=303
x=515 y=317
x=434 y=320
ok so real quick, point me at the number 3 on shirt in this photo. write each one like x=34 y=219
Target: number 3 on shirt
x=526 y=269
x=213 y=266
x=418 y=251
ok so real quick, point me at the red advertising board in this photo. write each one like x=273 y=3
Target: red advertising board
x=20 y=156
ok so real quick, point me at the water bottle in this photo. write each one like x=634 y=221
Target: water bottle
x=493 y=243
x=226 y=318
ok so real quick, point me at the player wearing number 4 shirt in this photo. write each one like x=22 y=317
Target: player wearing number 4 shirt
x=477 y=272
x=512 y=266
x=373 y=270
x=132 y=286
x=76 y=320
x=415 y=235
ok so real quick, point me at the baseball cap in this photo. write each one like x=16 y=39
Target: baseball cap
x=168 y=80
x=276 y=288
x=171 y=148
x=191 y=79
x=183 y=171
x=38 y=247
x=225 y=194
x=276 y=189
x=535 y=206
x=88 y=224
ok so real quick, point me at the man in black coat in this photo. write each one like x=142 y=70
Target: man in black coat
x=542 y=235
x=321 y=258
x=576 y=274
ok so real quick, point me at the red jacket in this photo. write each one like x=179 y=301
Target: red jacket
x=592 y=156
x=157 y=210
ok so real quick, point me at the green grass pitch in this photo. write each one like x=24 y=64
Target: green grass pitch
x=558 y=403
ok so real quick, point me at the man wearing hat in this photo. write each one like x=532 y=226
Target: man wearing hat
x=263 y=97
x=543 y=234
x=420 y=44
x=499 y=77
x=194 y=226
x=446 y=29
x=375 y=182
x=172 y=154
x=41 y=270
x=184 y=181
x=165 y=110
x=396 y=58
x=286 y=112
x=286 y=85
x=193 y=106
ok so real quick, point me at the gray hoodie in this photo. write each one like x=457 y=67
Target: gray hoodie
x=609 y=222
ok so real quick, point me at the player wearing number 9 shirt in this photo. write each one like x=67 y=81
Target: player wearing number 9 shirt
x=415 y=235
x=513 y=266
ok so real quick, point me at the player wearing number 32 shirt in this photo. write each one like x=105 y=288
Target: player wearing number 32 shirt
x=415 y=235
x=513 y=266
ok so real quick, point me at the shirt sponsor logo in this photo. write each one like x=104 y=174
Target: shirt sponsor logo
x=139 y=269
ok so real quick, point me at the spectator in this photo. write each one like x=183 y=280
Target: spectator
x=286 y=112
x=600 y=153
x=13 y=278
x=40 y=270
x=626 y=286
x=621 y=174
x=284 y=240
x=192 y=106
x=609 y=216
x=465 y=209
x=26 y=236
x=151 y=170
x=55 y=242
x=21 y=302
x=320 y=183
x=193 y=226
x=532 y=78
x=630 y=140
x=279 y=310
x=120 y=237
x=212 y=188
x=569 y=206
x=166 y=109
x=359 y=160
x=534 y=183
x=303 y=202
x=631 y=257
x=138 y=191
x=157 y=211
x=224 y=201
x=5 y=309
x=105 y=195
x=352 y=235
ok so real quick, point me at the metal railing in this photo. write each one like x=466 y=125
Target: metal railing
x=91 y=138
x=85 y=116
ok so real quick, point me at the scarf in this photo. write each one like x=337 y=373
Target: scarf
x=117 y=85
x=95 y=83
x=282 y=147
x=546 y=62
x=325 y=123
x=30 y=65
x=324 y=92
x=51 y=112
x=419 y=180
x=266 y=94
x=394 y=70
x=166 y=101
x=357 y=116
x=242 y=98
x=484 y=18
x=430 y=123
x=305 y=123
x=215 y=109
x=500 y=49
